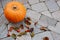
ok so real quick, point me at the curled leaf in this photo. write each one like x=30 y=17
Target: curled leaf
x=21 y=26
x=32 y=34
x=27 y=26
x=43 y=28
x=35 y=23
x=16 y=28
x=13 y=35
x=8 y=35
x=19 y=35
x=27 y=22
x=45 y=38
x=22 y=33
x=11 y=28
x=28 y=30
x=28 y=18
x=31 y=29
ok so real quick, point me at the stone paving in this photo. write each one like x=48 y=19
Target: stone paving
x=45 y=12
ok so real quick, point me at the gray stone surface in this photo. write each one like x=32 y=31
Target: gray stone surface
x=55 y=36
x=38 y=26
x=40 y=36
x=1 y=11
x=52 y=5
x=22 y=1
x=27 y=6
x=33 y=2
x=4 y=20
x=39 y=7
x=35 y=15
x=37 y=30
x=58 y=3
x=4 y=2
x=43 y=21
x=46 y=12
x=8 y=38
x=52 y=22
x=4 y=33
x=2 y=28
x=56 y=15
x=0 y=4
x=24 y=37
x=42 y=0
x=55 y=29
x=0 y=22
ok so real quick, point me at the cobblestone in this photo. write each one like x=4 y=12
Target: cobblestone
x=58 y=3
x=37 y=30
x=4 y=20
x=52 y=22
x=22 y=1
x=56 y=28
x=2 y=28
x=56 y=15
x=33 y=2
x=55 y=36
x=43 y=21
x=52 y=5
x=42 y=0
x=4 y=2
x=27 y=6
x=9 y=38
x=47 y=13
x=4 y=33
x=39 y=7
x=1 y=11
x=35 y=15
x=0 y=4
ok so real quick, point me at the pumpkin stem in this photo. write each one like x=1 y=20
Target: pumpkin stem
x=14 y=7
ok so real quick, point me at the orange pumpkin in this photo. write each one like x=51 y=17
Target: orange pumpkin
x=14 y=11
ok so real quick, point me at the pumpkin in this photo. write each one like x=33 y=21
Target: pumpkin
x=14 y=11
